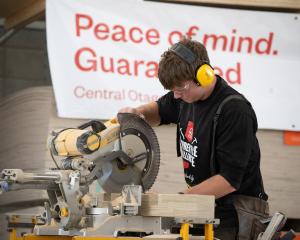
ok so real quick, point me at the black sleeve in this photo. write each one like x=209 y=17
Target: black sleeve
x=168 y=108
x=234 y=140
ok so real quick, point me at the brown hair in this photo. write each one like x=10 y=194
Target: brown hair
x=172 y=70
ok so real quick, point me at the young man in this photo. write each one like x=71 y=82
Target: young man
x=194 y=97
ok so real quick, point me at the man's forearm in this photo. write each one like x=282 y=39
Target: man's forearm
x=216 y=185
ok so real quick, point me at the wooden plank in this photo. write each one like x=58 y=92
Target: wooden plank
x=268 y=4
x=178 y=205
x=7 y=8
x=173 y=205
x=26 y=15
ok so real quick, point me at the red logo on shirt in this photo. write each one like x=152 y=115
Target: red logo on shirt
x=185 y=164
x=189 y=133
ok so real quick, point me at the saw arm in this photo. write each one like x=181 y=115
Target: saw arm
x=117 y=153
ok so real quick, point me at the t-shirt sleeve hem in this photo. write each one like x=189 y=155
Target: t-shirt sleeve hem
x=233 y=182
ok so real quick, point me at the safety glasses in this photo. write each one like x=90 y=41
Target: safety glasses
x=181 y=90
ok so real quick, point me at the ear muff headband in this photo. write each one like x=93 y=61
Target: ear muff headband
x=204 y=75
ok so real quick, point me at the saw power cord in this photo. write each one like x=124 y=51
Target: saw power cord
x=54 y=160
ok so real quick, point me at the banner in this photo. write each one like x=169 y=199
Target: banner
x=104 y=55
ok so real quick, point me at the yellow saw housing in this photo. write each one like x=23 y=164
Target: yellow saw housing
x=76 y=142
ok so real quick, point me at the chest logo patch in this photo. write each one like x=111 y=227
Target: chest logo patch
x=189 y=132
x=186 y=165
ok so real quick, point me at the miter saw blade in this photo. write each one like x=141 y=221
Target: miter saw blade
x=139 y=142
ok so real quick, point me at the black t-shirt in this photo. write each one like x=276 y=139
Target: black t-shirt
x=237 y=152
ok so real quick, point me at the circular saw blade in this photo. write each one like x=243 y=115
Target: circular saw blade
x=139 y=142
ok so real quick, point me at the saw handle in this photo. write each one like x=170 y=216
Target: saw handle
x=96 y=126
x=111 y=122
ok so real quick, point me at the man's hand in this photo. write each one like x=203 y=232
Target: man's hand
x=148 y=112
x=131 y=110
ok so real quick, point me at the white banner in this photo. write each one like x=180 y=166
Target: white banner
x=104 y=55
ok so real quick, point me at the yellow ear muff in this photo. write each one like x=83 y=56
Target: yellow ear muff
x=205 y=75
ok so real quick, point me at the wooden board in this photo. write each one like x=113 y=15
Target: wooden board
x=178 y=205
x=26 y=14
x=173 y=205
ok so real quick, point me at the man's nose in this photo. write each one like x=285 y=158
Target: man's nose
x=177 y=95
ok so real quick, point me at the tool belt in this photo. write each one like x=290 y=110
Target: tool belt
x=250 y=211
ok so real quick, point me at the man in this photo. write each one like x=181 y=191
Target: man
x=194 y=97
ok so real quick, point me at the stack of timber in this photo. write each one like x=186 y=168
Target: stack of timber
x=24 y=127
x=178 y=205
x=171 y=205
x=24 y=120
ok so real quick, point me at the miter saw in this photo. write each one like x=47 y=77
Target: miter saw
x=123 y=156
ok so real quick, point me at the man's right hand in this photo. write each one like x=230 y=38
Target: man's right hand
x=131 y=110
x=148 y=112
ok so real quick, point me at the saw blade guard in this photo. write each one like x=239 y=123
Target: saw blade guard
x=139 y=146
